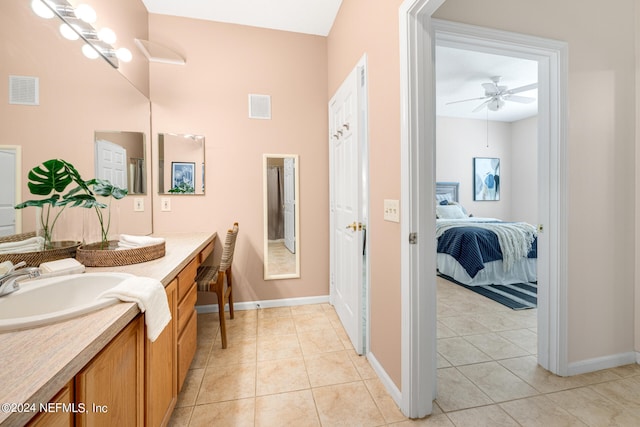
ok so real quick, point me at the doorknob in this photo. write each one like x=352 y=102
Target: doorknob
x=357 y=226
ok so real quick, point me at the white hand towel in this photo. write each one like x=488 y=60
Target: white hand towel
x=32 y=244
x=151 y=298
x=140 y=240
x=61 y=267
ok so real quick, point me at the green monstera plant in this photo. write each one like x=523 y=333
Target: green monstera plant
x=51 y=179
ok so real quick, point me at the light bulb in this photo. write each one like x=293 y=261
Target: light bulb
x=89 y=51
x=107 y=35
x=68 y=32
x=124 y=54
x=41 y=9
x=86 y=13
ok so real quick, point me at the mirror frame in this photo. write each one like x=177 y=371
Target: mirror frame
x=296 y=273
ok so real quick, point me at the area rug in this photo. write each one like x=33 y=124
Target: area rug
x=520 y=296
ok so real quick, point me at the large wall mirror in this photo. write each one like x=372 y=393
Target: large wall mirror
x=120 y=159
x=281 y=216
x=180 y=164
x=66 y=98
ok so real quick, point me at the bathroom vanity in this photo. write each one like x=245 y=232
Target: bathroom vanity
x=90 y=368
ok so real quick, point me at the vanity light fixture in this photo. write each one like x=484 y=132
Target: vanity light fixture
x=77 y=25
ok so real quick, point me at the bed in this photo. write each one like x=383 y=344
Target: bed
x=481 y=251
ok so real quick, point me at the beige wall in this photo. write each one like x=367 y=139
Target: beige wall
x=524 y=155
x=371 y=27
x=209 y=96
x=601 y=155
x=77 y=97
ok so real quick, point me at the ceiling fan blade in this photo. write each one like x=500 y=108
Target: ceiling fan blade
x=522 y=99
x=522 y=88
x=465 y=100
x=481 y=106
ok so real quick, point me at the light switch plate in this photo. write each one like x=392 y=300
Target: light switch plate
x=138 y=204
x=165 y=204
x=392 y=210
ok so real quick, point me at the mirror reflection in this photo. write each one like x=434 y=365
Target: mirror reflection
x=281 y=216
x=119 y=158
x=181 y=164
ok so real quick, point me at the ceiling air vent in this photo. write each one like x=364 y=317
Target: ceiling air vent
x=259 y=107
x=24 y=90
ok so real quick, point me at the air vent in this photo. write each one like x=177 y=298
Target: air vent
x=259 y=107
x=24 y=90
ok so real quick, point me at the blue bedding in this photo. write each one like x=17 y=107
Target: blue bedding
x=473 y=246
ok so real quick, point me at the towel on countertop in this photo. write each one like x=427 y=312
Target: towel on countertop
x=61 y=267
x=5 y=267
x=33 y=244
x=151 y=298
x=130 y=242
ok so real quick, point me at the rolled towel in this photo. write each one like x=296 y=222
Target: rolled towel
x=32 y=244
x=5 y=267
x=128 y=240
x=61 y=267
x=151 y=298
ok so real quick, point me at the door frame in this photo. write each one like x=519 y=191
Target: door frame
x=17 y=149
x=418 y=269
x=363 y=144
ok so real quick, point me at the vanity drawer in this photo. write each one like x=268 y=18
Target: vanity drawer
x=185 y=308
x=186 y=278
x=187 y=343
x=205 y=252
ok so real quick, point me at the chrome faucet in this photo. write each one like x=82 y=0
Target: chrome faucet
x=9 y=281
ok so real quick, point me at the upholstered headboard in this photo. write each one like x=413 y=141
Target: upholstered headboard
x=451 y=188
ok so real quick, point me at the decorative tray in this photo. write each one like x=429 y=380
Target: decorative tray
x=94 y=255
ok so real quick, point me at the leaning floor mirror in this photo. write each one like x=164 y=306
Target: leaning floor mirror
x=281 y=216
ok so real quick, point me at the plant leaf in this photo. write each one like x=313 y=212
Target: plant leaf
x=52 y=176
x=53 y=200
x=103 y=187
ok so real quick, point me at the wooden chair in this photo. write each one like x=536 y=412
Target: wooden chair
x=218 y=280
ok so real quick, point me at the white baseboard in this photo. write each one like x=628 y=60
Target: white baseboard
x=638 y=357
x=606 y=362
x=393 y=390
x=253 y=305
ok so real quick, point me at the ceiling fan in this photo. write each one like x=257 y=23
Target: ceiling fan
x=495 y=95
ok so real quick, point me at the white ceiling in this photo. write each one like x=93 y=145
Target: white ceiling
x=460 y=74
x=301 y=16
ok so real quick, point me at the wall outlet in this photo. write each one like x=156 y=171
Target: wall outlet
x=165 y=204
x=138 y=204
x=392 y=210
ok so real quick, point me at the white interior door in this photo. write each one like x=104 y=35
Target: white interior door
x=346 y=201
x=289 y=205
x=111 y=163
x=8 y=193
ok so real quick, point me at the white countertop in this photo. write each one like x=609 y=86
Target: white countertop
x=36 y=363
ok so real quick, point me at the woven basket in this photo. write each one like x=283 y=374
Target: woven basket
x=60 y=250
x=94 y=255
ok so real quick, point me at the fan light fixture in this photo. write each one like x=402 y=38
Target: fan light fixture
x=496 y=95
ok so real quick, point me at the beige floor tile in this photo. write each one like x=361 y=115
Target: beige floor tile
x=274 y=312
x=276 y=326
x=181 y=417
x=309 y=322
x=442 y=362
x=496 y=347
x=234 y=413
x=497 y=382
x=362 y=366
x=272 y=347
x=539 y=411
x=485 y=416
x=293 y=409
x=299 y=310
x=320 y=341
x=240 y=328
x=385 y=403
x=625 y=391
x=279 y=376
x=227 y=382
x=524 y=338
x=498 y=321
x=594 y=409
x=627 y=370
x=331 y=368
x=190 y=388
x=455 y=391
x=463 y=325
x=440 y=420
x=347 y=405
x=237 y=352
x=527 y=368
x=444 y=331
x=459 y=351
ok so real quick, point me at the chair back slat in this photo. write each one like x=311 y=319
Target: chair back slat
x=229 y=247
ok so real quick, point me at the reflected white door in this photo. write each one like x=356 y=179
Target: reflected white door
x=346 y=198
x=289 y=205
x=111 y=163
x=8 y=193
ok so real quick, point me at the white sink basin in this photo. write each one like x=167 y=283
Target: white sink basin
x=49 y=300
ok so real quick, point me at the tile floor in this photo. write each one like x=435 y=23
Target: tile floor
x=296 y=367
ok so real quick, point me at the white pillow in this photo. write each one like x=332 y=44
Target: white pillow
x=447 y=196
x=449 y=212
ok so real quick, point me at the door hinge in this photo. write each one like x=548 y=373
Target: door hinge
x=413 y=238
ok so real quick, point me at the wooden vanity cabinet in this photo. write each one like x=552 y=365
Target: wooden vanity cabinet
x=112 y=385
x=187 y=318
x=57 y=417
